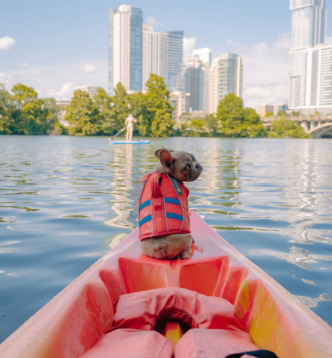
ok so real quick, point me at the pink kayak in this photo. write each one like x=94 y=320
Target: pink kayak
x=213 y=304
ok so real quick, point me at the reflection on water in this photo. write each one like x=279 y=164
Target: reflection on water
x=65 y=201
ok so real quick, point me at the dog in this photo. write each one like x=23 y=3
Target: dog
x=163 y=205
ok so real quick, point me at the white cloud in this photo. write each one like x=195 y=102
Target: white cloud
x=56 y=80
x=188 y=46
x=65 y=91
x=265 y=71
x=6 y=42
x=152 y=21
x=88 y=68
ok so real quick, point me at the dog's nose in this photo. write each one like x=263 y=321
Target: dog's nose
x=198 y=166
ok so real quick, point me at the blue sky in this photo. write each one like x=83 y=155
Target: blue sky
x=55 y=46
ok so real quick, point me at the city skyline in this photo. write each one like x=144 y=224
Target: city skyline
x=54 y=65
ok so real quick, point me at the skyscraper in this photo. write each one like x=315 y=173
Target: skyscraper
x=308 y=23
x=125 y=48
x=195 y=74
x=162 y=55
x=174 y=60
x=154 y=53
x=310 y=69
x=226 y=76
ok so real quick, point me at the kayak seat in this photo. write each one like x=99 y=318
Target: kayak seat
x=213 y=276
x=212 y=328
x=144 y=310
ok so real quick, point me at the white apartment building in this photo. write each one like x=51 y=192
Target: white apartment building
x=125 y=48
x=310 y=70
x=154 y=53
x=163 y=56
x=181 y=103
x=226 y=76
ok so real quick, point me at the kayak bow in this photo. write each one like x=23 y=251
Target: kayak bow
x=83 y=319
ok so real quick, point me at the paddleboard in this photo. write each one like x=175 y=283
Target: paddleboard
x=131 y=142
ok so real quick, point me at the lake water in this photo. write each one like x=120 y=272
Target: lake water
x=64 y=199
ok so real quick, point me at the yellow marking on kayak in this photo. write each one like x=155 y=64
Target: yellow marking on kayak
x=173 y=332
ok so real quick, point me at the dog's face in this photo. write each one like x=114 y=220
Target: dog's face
x=180 y=165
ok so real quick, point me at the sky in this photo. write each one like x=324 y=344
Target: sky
x=55 y=46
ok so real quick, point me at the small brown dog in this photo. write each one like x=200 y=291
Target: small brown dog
x=163 y=206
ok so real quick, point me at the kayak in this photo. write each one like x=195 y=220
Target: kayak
x=215 y=303
x=131 y=142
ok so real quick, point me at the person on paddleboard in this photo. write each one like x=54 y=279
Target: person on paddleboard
x=130 y=120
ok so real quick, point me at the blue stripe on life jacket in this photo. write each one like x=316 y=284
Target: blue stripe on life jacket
x=172 y=201
x=145 y=220
x=144 y=205
x=174 y=216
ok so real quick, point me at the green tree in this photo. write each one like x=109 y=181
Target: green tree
x=139 y=108
x=7 y=125
x=82 y=115
x=159 y=107
x=285 y=128
x=212 y=125
x=103 y=106
x=230 y=116
x=233 y=120
x=254 y=125
x=119 y=109
x=269 y=114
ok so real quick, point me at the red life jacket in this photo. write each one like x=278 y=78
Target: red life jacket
x=162 y=206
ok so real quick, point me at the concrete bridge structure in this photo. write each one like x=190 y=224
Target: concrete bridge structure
x=319 y=126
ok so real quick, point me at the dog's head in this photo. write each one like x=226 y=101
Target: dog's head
x=182 y=166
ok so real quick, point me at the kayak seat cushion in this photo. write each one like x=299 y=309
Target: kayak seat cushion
x=131 y=343
x=144 y=310
x=215 y=343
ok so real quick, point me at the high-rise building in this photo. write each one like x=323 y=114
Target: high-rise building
x=310 y=70
x=154 y=53
x=163 y=56
x=195 y=74
x=180 y=101
x=226 y=76
x=125 y=48
x=174 y=61
x=308 y=23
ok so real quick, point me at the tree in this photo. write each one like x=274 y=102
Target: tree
x=230 y=116
x=159 y=107
x=7 y=125
x=269 y=114
x=103 y=105
x=233 y=120
x=285 y=128
x=254 y=125
x=119 y=109
x=82 y=115
x=139 y=108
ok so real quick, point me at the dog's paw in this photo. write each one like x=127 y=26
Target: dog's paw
x=184 y=254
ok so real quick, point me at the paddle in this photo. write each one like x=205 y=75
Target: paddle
x=118 y=133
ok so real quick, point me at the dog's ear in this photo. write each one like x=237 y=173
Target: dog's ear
x=164 y=156
x=157 y=152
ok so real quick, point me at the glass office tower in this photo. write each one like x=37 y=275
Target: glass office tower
x=125 y=48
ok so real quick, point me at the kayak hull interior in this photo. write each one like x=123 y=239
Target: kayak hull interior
x=72 y=322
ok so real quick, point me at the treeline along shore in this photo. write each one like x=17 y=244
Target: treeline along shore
x=23 y=113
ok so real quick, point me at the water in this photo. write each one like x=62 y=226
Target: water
x=64 y=199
